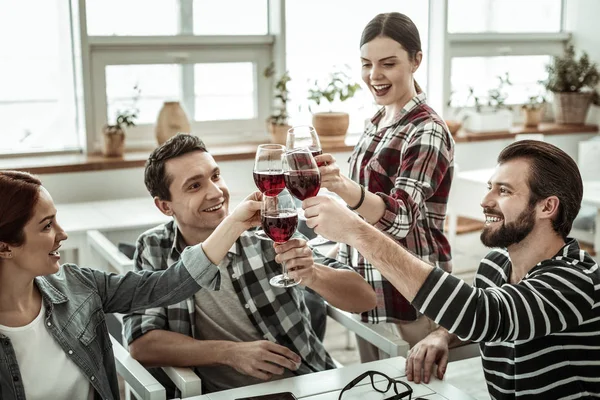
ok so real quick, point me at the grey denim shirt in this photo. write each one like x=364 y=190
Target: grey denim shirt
x=77 y=300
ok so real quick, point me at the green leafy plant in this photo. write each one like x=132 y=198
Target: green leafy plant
x=338 y=86
x=534 y=103
x=280 y=114
x=495 y=99
x=568 y=74
x=125 y=118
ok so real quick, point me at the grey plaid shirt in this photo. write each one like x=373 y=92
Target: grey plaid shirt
x=280 y=315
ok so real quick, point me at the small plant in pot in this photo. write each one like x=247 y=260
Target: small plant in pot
x=488 y=112
x=338 y=87
x=277 y=123
x=533 y=110
x=114 y=134
x=572 y=82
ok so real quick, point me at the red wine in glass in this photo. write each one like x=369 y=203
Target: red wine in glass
x=280 y=225
x=303 y=184
x=268 y=174
x=279 y=218
x=316 y=151
x=271 y=181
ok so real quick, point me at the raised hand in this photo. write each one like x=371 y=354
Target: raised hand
x=331 y=177
x=248 y=211
x=331 y=219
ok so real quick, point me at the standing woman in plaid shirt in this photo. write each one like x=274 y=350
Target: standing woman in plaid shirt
x=400 y=171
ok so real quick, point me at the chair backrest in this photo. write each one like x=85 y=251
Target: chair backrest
x=141 y=383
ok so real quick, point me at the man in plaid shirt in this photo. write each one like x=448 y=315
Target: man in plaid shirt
x=247 y=331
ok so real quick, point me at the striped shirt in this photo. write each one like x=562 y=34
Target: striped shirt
x=409 y=164
x=539 y=338
x=279 y=314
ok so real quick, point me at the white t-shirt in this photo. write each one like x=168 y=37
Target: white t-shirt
x=46 y=370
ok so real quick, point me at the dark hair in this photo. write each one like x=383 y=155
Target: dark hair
x=19 y=193
x=155 y=177
x=397 y=27
x=551 y=173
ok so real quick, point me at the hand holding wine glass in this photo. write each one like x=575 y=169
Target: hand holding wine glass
x=268 y=173
x=298 y=258
x=280 y=221
x=332 y=178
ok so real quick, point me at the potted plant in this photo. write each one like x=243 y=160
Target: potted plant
x=114 y=134
x=490 y=112
x=533 y=110
x=338 y=87
x=572 y=83
x=277 y=123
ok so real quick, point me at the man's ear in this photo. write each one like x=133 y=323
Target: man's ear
x=5 y=251
x=164 y=206
x=549 y=207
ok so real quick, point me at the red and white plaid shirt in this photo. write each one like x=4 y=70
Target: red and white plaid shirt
x=409 y=164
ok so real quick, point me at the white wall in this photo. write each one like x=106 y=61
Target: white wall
x=582 y=20
x=127 y=183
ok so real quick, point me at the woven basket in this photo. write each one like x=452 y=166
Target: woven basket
x=571 y=108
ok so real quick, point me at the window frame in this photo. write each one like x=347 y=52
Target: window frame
x=187 y=49
x=488 y=44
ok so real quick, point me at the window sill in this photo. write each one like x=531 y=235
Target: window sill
x=544 y=128
x=65 y=163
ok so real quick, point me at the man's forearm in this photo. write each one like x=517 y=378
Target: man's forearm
x=405 y=271
x=159 y=348
x=343 y=289
x=221 y=239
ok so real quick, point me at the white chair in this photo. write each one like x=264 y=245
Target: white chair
x=107 y=257
x=140 y=382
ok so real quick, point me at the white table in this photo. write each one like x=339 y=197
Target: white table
x=125 y=216
x=327 y=385
x=469 y=187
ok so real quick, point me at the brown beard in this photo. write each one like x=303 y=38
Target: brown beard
x=510 y=233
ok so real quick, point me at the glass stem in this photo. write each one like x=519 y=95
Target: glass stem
x=285 y=275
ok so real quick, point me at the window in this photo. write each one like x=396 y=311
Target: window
x=503 y=38
x=37 y=96
x=209 y=56
x=132 y=17
x=481 y=73
x=316 y=45
x=232 y=17
x=174 y=17
x=504 y=16
x=225 y=91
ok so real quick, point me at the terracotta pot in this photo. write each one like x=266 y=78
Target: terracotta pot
x=171 y=120
x=453 y=126
x=571 y=108
x=533 y=117
x=114 y=142
x=331 y=123
x=278 y=132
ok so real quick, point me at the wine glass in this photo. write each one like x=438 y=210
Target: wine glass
x=304 y=136
x=268 y=173
x=301 y=174
x=279 y=221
